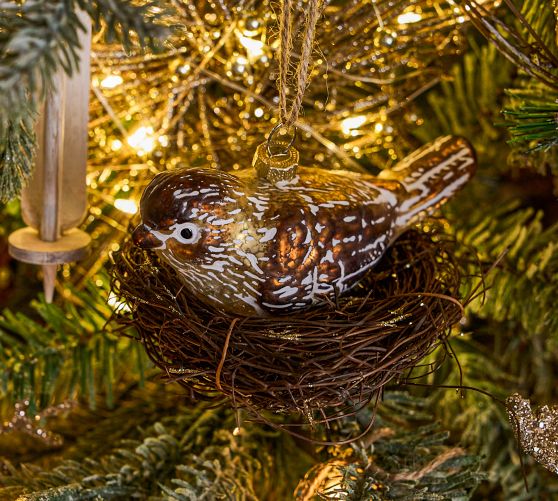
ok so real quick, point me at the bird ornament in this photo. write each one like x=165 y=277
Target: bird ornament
x=262 y=245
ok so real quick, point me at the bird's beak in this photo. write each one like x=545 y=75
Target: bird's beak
x=144 y=238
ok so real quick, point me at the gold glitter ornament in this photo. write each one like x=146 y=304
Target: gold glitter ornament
x=536 y=431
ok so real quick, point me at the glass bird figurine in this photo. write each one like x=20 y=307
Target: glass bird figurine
x=251 y=246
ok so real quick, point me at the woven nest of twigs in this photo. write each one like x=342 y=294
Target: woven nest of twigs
x=330 y=359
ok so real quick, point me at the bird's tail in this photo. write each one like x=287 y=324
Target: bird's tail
x=432 y=175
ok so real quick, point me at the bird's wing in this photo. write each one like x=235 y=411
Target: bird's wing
x=330 y=228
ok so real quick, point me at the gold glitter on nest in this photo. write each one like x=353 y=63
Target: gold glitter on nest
x=536 y=431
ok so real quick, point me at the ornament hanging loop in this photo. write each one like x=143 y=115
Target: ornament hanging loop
x=278 y=148
x=276 y=160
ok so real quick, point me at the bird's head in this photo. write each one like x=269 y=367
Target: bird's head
x=183 y=212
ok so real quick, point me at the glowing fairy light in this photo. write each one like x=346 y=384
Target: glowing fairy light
x=351 y=123
x=126 y=205
x=117 y=305
x=379 y=127
x=142 y=140
x=238 y=66
x=254 y=48
x=115 y=144
x=409 y=17
x=252 y=26
x=111 y=81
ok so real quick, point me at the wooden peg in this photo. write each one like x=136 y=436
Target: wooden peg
x=51 y=237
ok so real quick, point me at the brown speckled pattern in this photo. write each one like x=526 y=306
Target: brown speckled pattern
x=254 y=247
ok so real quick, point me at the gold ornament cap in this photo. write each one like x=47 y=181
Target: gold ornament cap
x=275 y=167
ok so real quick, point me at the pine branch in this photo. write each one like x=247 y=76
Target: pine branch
x=468 y=101
x=191 y=454
x=467 y=105
x=39 y=36
x=542 y=18
x=533 y=48
x=66 y=348
x=532 y=117
x=519 y=41
x=17 y=145
x=496 y=361
x=400 y=459
x=133 y=469
x=149 y=21
x=210 y=476
x=528 y=265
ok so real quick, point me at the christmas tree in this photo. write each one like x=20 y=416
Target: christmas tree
x=120 y=386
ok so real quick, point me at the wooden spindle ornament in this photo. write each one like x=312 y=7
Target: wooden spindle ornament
x=51 y=237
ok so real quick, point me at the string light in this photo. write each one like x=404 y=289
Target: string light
x=409 y=17
x=238 y=65
x=142 y=140
x=349 y=124
x=111 y=81
x=254 y=48
x=117 y=305
x=126 y=205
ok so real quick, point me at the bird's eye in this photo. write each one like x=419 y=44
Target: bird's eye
x=186 y=233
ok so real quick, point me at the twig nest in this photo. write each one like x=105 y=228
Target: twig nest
x=331 y=358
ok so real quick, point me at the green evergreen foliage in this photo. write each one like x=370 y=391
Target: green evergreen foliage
x=38 y=37
x=64 y=349
x=527 y=266
x=541 y=17
x=447 y=476
x=531 y=118
x=495 y=359
x=467 y=103
x=156 y=445
x=509 y=342
x=17 y=147
x=192 y=452
x=404 y=458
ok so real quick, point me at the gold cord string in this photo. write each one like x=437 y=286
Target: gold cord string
x=289 y=117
